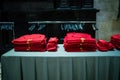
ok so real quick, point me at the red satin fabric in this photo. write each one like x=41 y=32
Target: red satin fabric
x=36 y=38
x=77 y=35
x=30 y=49
x=79 y=50
x=103 y=45
x=31 y=42
x=52 y=44
x=115 y=40
x=53 y=40
x=79 y=42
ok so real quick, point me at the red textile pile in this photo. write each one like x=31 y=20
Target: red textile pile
x=32 y=42
x=52 y=44
x=102 y=45
x=79 y=42
x=115 y=40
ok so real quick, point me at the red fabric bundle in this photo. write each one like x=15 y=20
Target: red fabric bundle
x=29 y=49
x=78 y=35
x=79 y=42
x=102 y=45
x=52 y=44
x=115 y=40
x=79 y=49
x=31 y=42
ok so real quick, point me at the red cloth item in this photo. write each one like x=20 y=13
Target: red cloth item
x=85 y=44
x=30 y=49
x=52 y=44
x=79 y=42
x=78 y=35
x=53 y=40
x=31 y=42
x=115 y=40
x=102 y=45
x=32 y=38
x=79 y=50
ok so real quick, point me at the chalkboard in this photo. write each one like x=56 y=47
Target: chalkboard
x=6 y=35
x=9 y=31
x=55 y=28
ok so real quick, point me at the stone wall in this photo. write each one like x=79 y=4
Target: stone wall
x=107 y=21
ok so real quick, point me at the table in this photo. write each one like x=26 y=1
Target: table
x=61 y=65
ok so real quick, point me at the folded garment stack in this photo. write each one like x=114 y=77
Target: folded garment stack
x=115 y=40
x=79 y=42
x=103 y=45
x=52 y=44
x=31 y=42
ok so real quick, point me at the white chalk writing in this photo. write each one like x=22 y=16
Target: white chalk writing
x=32 y=27
x=36 y=26
x=41 y=26
x=74 y=27
x=6 y=26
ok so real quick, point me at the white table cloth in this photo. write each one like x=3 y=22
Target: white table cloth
x=61 y=65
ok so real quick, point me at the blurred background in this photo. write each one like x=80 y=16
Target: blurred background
x=100 y=18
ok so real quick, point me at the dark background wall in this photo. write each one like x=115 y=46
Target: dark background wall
x=108 y=21
x=23 y=11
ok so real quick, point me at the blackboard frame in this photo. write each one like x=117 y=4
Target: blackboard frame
x=54 y=28
x=7 y=34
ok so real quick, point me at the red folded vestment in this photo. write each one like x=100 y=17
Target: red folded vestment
x=84 y=48
x=80 y=44
x=117 y=46
x=80 y=40
x=52 y=44
x=29 y=49
x=26 y=45
x=102 y=45
x=77 y=42
x=32 y=38
x=116 y=37
x=78 y=35
x=53 y=40
x=79 y=49
x=31 y=42
x=52 y=47
x=115 y=40
x=115 y=43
